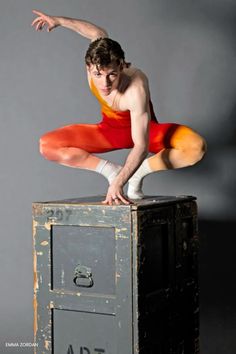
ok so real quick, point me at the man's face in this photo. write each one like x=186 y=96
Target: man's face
x=106 y=79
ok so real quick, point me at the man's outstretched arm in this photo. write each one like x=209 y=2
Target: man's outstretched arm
x=84 y=28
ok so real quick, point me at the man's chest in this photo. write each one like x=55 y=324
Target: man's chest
x=117 y=101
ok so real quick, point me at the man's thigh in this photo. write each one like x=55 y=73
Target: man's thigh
x=93 y=138
x=171 y=135
x=161 y=136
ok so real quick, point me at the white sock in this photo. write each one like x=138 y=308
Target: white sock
x=136 y=181
x=108 y=169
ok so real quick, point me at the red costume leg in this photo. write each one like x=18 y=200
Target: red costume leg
x=175 y=146
x=72 y=145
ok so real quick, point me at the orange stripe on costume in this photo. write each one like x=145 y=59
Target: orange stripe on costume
x=109 y=112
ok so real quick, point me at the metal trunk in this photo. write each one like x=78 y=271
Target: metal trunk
x=116 y=279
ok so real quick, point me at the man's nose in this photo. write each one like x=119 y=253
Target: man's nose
x=107 y=81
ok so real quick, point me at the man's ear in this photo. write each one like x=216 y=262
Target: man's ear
x=121 y=66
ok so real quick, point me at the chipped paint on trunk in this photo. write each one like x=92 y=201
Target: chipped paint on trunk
x=47 y=225
x=51 y=305
x=47 y=344
x=36 y=287
x=35 y=224
x=135 y=279
x=35 y=306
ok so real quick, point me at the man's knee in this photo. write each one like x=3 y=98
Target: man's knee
x=57 y=151
x=196 y=148
x=42 y=145
x=47 y=148
x=190 y=143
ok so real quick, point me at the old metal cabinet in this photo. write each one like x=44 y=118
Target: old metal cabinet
x=116 y=279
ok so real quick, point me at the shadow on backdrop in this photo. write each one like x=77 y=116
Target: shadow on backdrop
x=217 y=286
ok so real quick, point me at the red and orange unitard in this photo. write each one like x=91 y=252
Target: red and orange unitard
x=112 y=133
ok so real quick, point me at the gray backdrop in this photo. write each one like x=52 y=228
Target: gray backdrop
x=187 y=49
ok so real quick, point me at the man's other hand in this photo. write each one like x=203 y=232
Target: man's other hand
x=44 y=20
x=115 y=196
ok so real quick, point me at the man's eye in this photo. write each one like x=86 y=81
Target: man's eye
x=97 y=74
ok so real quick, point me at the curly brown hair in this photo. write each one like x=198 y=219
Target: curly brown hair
x=105 y=51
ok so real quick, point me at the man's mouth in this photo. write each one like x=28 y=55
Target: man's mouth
x=106 y=89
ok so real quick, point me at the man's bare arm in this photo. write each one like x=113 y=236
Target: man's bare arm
x=84 y=28
x=140 y=117
x=140 y=149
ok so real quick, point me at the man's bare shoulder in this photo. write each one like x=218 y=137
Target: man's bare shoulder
x=136 y=75
x=138 y=88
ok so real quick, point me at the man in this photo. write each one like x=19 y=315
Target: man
x=128 y=120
